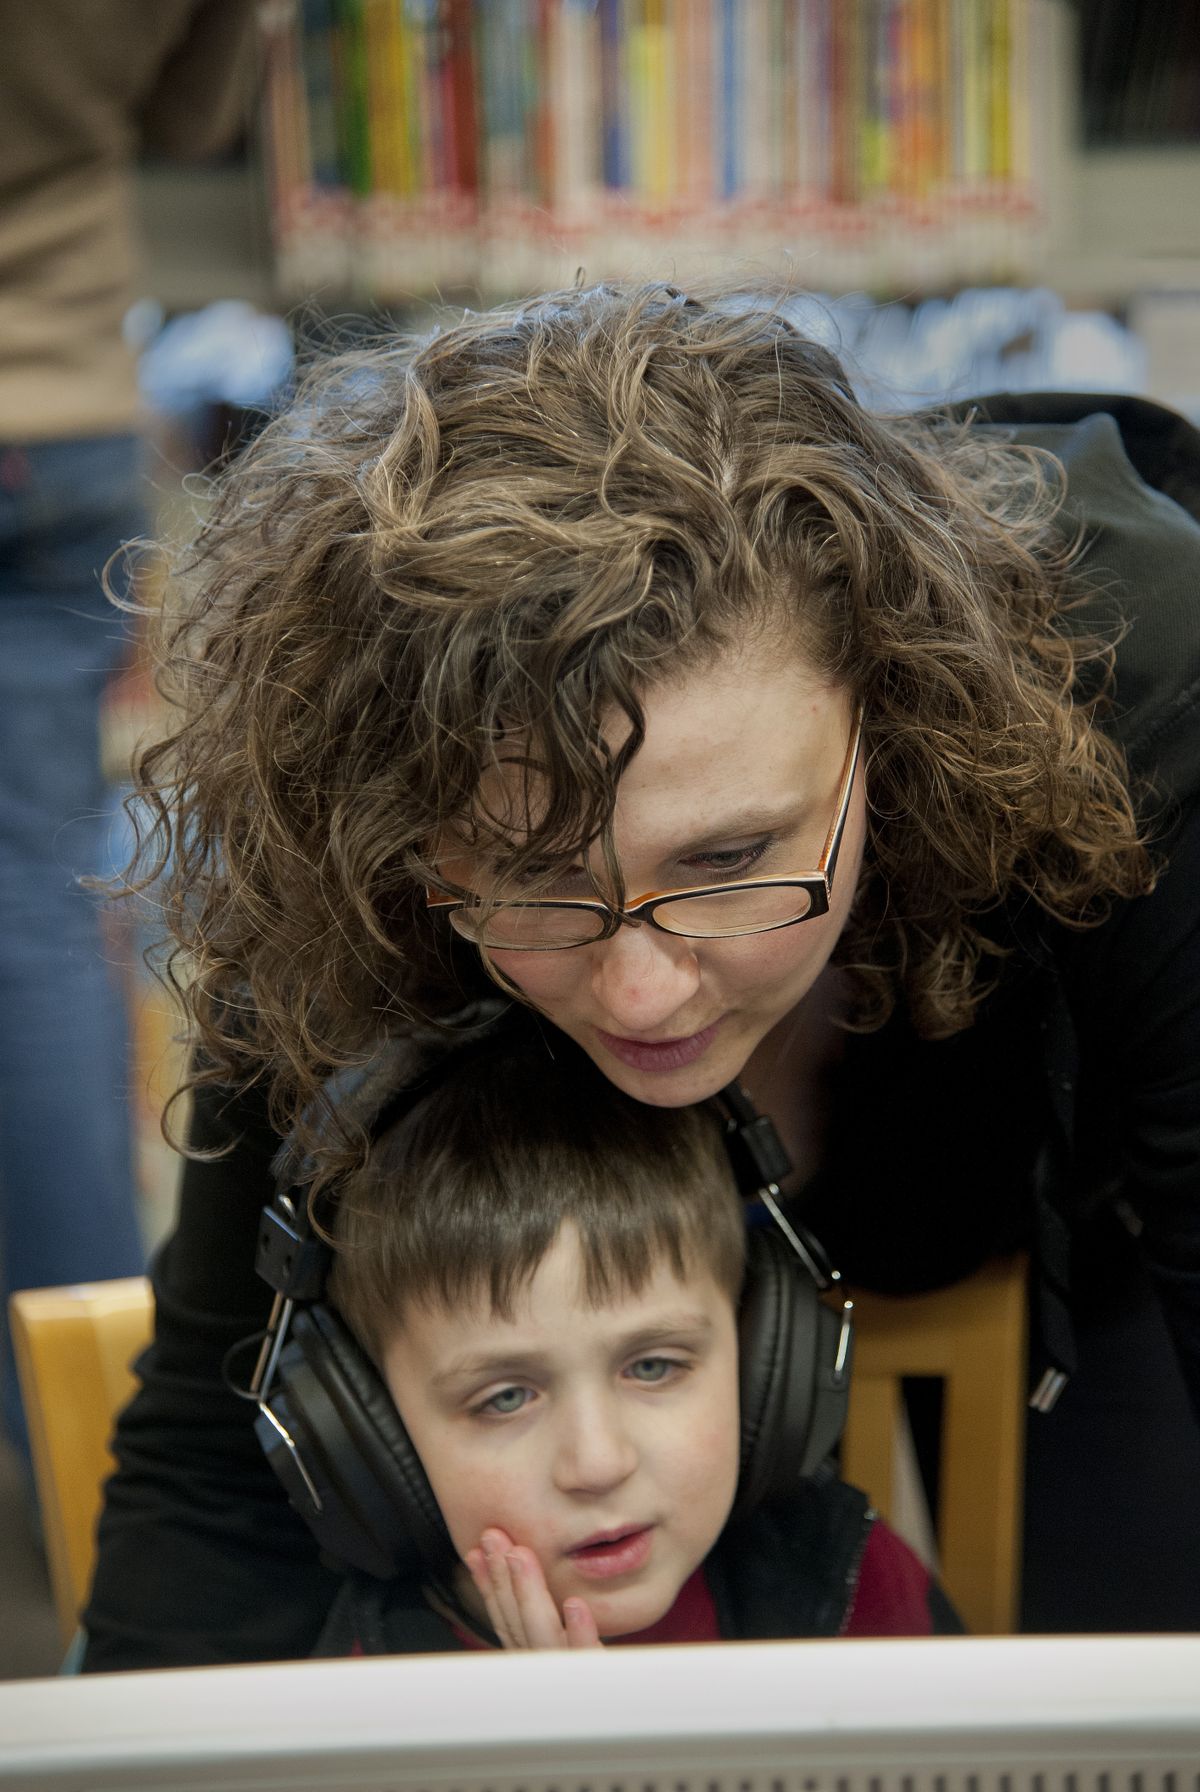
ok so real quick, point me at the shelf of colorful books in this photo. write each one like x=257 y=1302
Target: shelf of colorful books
x=421 y=146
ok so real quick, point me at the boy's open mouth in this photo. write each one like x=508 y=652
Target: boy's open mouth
x=610 y=1553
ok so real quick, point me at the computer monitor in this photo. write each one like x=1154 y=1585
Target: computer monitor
x=938 y=1715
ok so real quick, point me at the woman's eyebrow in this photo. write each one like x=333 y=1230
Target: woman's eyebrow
x=744 y=824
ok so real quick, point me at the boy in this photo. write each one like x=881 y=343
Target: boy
x=547 y=1274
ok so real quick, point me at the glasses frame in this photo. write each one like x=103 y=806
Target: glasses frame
x=818 y=883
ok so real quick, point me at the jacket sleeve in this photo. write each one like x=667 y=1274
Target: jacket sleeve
x=200 y=1558
x=1133 y=988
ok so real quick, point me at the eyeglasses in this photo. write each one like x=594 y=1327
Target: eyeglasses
x=710 y=912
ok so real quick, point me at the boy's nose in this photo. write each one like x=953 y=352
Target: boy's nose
x=641 y=977
x=595 y=1453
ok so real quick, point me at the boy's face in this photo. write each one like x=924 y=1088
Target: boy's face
x=605 y=1439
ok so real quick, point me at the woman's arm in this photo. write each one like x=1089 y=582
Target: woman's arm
x=1133 y=988
x=201 y=1559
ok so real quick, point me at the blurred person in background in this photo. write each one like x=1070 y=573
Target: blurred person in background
x=85 y=86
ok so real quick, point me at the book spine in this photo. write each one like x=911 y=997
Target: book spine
x=289 y=160
x=320 y=84
x=702 y=135
x=380 y=27
x=926 y=98
x=728 y=132
x=615 y=150
x=875 y=125
x=432 y=170
x=350 y=71
x=841 y=145
x=942 y=76
x=465 y=105
x=578 y=113
x=635 y=76
x=659 y=103
x=959 y=149
x=1019 y=78
x=1000 y=158
x=540 y=101
x=754 y=84
x=972 y=23
x=783 y=111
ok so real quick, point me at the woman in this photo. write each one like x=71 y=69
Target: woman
x=497 y=637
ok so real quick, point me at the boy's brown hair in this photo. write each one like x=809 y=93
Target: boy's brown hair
x=465 y=1193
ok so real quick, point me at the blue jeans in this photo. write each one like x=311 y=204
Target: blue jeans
x=68 y=1208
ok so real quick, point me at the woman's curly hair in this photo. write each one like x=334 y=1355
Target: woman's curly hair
x=491 y=540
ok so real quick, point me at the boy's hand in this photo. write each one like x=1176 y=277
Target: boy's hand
x=524 y=1616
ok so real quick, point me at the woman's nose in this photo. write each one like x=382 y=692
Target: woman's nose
x=595 y=1450
x=642 y=976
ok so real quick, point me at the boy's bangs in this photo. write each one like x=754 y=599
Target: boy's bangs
x=616 y=1268
x=618 y=1259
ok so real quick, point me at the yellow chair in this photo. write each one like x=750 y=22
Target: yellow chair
x=74 y=1347
x=972 y=1336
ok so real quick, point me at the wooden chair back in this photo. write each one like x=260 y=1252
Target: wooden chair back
x=972 y=1337
x=74 y=1347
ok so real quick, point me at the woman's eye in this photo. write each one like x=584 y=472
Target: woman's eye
x=651 y=1369
x=507 y=1401
x=736 y=861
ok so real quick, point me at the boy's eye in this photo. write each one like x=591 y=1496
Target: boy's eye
x=649 y=1369
x=508 y=1400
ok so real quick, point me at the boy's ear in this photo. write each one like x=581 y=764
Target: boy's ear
x=331 y=1431
x=794 y=1373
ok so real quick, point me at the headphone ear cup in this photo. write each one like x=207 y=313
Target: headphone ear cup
x=336 y=1440
x=794 y=1389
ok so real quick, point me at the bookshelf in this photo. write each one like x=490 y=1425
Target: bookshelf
x=1116 y=221
x=422 y=146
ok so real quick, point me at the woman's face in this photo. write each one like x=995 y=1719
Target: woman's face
x=738 y=775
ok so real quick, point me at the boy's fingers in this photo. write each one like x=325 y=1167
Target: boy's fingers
x=580 y=1625
x=540 y=1618
x=477 y=1564
x=502 y=1607
x=482 y=1576
x=520 y=1606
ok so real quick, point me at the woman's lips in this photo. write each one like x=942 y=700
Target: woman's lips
x=659 y=1054
x=619 y=1555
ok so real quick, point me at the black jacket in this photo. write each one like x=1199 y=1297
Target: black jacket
x=1081 y=1076
x=788 y=1570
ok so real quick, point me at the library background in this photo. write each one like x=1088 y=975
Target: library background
x=971 y=194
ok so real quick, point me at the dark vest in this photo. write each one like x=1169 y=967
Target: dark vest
x=790 y=1570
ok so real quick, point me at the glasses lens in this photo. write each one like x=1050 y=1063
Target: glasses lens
x=755 y=909
x=528 y=926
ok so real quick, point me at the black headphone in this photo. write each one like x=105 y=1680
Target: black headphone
x=331 y=1431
